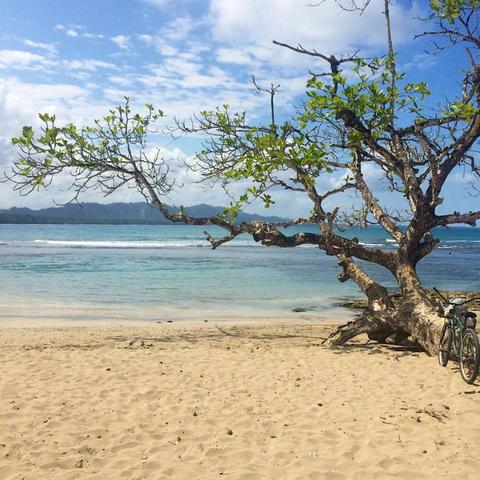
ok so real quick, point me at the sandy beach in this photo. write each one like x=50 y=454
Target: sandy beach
x=205 y=401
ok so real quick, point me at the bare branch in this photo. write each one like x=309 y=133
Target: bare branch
x=374 y=207
x=469 y=218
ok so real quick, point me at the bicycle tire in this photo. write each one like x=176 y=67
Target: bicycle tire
x=469 y=355
x=445 y=345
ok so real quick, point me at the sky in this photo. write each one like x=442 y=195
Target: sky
x=77 y=58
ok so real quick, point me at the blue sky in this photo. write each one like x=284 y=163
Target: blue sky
x=76 y=58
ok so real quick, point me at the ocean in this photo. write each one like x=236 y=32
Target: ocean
x=169 y=271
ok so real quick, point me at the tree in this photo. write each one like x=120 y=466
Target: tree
x=359 y=112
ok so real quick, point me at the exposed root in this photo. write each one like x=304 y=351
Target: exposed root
x=379 y=334
x=344 y=333
x=419 y=323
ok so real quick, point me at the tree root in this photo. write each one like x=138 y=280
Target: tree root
x=346 y=332
x=379 y=326
x=419 y=323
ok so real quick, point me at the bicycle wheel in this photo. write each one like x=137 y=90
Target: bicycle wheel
x=469 y=355
x=445 y=345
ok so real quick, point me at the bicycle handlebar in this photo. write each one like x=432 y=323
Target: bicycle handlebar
x=470 y=300
x=440 y=295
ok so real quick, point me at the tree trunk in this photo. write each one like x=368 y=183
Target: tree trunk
x=420 y=315
x=411 y=315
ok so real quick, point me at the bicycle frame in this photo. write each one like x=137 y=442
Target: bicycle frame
x=457 y=325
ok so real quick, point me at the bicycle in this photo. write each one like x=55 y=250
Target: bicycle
x=459 y=332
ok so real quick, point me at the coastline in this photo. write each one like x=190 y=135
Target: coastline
x=240 y=401
x=33 y=313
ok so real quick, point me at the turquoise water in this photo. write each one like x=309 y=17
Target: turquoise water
x=172 y=267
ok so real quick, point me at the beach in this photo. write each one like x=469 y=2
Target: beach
x=206 y=400
x=180 y=281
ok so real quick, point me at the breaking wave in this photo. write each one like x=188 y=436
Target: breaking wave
x=128 y=244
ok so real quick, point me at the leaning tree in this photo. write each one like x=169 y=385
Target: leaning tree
x=358 y=113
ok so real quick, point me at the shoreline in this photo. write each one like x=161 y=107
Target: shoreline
x=48 y=313
x=32 y=314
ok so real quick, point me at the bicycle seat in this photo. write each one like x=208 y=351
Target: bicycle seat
x=470 y=319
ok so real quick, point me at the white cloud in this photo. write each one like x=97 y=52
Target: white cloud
x=48 y=47
x=94 y=36
x=88 y=64
x=422 y=61
x=121 y=41
x=175 y=37
x=167 y=50
x=120 y=80
x=148 y=39
x=24 y=60
x=22 y=101
x=159 y=44
x=73 y=31
x=234 y=55
x=257 y=23
x=178 y=29
x=20 y=59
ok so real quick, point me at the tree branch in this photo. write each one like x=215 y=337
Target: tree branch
x=469 y=218
x=372 y=204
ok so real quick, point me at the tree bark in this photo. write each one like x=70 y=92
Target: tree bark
x=413 y=315
x=419 y=313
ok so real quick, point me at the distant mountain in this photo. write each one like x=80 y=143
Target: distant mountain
x=113 y=213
